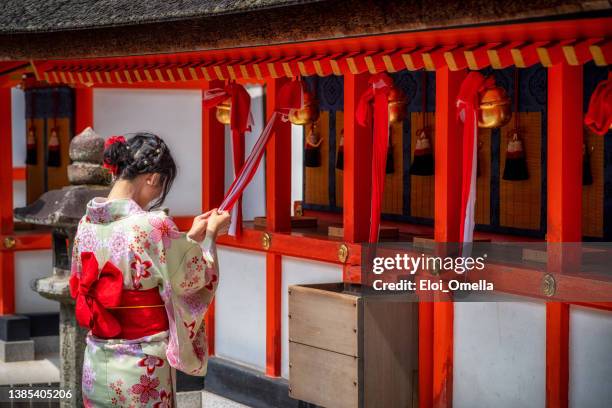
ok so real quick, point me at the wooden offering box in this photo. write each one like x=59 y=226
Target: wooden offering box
x=352 y=349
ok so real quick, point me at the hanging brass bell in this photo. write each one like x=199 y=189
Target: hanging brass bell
x=309 y=113
x=397 y=105
x=223 y=112
x=494 y=110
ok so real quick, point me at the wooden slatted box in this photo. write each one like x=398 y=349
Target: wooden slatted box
x=349 y=349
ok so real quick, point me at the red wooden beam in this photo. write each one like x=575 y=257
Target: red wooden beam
x=446 y=229
x=278 y=165
x=84 y=115
x=273 y=314
x=565 y=139
x=299 y=246
x=28 y=242
x=213 y=156
x=7 y=259
x=357 y=163
x=213 y=182
x=564 y=201
x=557 y=354
x=278 y=213
x=448 y=158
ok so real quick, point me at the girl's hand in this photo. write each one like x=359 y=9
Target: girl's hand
x=198 y=228
x=218 y=222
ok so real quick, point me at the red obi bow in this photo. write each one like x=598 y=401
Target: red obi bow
x=94 y=293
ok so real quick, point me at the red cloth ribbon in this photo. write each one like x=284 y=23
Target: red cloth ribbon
x=599 y=115
x=94 y=292
x=378 y=92
x=468 y=102
x=109 y=142
x=291 y=96
x=239 y=124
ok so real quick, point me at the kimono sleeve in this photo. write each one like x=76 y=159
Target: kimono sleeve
x=75 y=255
x=190 y=281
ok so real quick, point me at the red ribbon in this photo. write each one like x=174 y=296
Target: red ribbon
x=291 y=96
x=94 y=292
x=599 y=115
x=239 y=124
x=468 y=102
x=378 y=93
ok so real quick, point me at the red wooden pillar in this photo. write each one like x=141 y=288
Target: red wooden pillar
x=278 y=213
x=357 y=163
x=447 y=146
x=213 y=183
x=437 y=318
x=84 y=114
x=7 y=260
x=564 y=198
x=278 y=165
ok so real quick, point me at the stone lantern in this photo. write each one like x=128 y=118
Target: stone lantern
x=62 y=209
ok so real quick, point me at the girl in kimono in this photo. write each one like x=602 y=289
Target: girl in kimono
x=141 y=286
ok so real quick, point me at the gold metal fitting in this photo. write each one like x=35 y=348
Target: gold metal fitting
x=549 y=285
x=266 y=241
x=9 y=242
x=343 y=253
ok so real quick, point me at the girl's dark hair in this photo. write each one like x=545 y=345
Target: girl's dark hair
x=143 y=153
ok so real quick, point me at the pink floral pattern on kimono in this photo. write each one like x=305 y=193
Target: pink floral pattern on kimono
x=147 y=388
x=163 y=230
x=151 y=362
x=141 y=270
x=165 y=400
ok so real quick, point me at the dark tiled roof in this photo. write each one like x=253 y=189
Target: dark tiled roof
x=57 y=29
x=59 y=15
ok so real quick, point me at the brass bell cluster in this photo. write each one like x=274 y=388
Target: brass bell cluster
x=397 y=105
x=495 y=109
x=309 y=113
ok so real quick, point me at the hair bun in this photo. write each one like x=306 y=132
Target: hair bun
x=116 y=154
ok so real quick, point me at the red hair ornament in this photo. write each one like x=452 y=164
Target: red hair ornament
x=109 y=142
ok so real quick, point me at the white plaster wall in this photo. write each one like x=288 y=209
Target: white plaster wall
x=240 y=307
x=31 y=265
x=590 y=358
x=19 y=135
x=19 y=143
x=254 y=197
x=300 y=271
x=499 y=352
x=19 y=193
x=297 y=164
x=174 y=115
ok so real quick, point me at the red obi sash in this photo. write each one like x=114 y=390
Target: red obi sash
x=103 y=306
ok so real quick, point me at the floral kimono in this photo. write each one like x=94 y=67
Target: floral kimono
x=142 y=288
